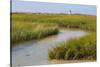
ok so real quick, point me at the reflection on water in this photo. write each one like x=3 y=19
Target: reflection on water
x=36 y=52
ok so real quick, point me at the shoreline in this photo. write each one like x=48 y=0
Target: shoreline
x=69 y=61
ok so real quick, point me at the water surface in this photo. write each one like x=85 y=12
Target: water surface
x=36 y=52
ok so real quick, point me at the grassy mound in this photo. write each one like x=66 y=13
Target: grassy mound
x=28 y=31
x=76 y=49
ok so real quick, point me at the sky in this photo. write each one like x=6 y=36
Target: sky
x=47 y=7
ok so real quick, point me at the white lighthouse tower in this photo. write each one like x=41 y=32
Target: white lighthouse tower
x=69 y=12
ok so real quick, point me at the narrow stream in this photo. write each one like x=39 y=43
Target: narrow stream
x=36 y=52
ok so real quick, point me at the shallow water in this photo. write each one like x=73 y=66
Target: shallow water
x=36 y=52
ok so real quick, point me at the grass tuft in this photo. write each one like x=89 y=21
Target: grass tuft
x=76 y=49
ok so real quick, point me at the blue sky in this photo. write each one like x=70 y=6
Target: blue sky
x=44 y=7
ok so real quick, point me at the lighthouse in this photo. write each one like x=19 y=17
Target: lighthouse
x=69 y=12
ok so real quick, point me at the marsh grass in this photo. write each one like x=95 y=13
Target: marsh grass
x=83 y=48
x=29 y=31
x=85 y=22
x=30 y=26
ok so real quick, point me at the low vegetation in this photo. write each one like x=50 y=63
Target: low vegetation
x=83 y=48
x=29 y=26
x=78 y=21
x=29 y=31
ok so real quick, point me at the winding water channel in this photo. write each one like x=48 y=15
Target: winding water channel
x=36 y=52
